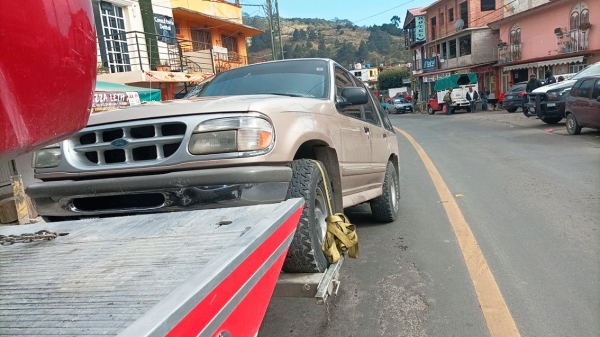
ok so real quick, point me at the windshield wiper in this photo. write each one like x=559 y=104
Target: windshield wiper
x=281 y=94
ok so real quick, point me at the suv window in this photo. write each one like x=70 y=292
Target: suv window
x=384 y=116
x=370 y=112
x=596 y=92
x=342 y=80
x=517 y=87
x=585 y=89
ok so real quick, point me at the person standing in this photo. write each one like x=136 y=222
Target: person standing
x=484 y=99
x=471 y=99
x=416 y=96
x=549 y=78
x=533 y=83
x=448 y=100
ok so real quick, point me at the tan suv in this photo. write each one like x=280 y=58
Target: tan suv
x=251 y=135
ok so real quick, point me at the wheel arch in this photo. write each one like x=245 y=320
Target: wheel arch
x=321 y=151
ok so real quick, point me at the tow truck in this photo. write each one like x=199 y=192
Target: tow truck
x=194 y=273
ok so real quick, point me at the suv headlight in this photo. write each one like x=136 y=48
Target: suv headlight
x=553 y=95
x=50 y=156
x=237 y=134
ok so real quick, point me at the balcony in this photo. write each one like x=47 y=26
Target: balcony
x=124 y=56
x=572 y=41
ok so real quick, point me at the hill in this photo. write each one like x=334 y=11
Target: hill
x=340 y=40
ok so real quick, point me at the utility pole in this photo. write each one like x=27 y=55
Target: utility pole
x=275 y=28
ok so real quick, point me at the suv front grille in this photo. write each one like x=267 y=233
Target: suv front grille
x=129 y=144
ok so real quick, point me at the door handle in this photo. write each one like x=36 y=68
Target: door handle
x=366 y=129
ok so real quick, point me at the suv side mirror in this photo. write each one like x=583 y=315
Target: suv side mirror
x=354 y=96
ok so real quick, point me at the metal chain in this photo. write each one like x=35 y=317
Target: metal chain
x=43 y=235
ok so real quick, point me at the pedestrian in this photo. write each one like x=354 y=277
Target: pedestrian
x=471 y=99
x=533 y=83
x=416 y=96
x=448 y=100
x=475 y=99
x=484 y=99
x=501 y=99
x=549 y=78
x=560 y=78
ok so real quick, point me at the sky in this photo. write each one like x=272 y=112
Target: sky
x=361 y=13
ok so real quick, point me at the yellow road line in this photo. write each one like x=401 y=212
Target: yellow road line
x=495 y=311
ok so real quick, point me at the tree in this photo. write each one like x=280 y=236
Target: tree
x=395 y=20
x=260 y=42
x=296 y=35
x=312 y=35
x=346 y=53
x=362 y=52
x=392 y=78
x=379 y=41
x=309 y=45
x=288 y=51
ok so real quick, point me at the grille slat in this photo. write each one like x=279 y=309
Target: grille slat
x=147 y=142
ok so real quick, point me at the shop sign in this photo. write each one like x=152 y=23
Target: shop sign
x=429 y=64
x=165 y=28
x=420 y=28
x=110 y=100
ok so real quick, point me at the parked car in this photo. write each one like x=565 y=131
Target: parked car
x=515 y=97
x=399 y=105
x=583 y=105
x=256 y=134
x=548 y=102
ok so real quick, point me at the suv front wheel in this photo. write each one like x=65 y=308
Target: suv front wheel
x=573 y=128
x=305 y=254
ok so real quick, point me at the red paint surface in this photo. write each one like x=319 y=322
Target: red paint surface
x=47 y=72
x=247 y=317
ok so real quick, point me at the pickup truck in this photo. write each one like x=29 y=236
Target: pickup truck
x=460 y=84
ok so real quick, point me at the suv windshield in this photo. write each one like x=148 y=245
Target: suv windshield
x=591 y=70
x=302 y=78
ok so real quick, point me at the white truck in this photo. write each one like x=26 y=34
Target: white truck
x=460 y=84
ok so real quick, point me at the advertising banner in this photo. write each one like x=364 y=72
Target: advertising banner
x=420 y=28
x=165 y=28
x=429 y=64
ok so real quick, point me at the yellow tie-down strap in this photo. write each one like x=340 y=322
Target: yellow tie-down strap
x=341 y=234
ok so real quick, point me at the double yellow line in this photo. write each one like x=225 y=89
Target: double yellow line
x=495 y=311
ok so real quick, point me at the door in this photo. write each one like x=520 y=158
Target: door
x=594 y=107
x=355 y=134
x=583 y=103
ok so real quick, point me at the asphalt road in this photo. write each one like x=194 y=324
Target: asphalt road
x=530 y=194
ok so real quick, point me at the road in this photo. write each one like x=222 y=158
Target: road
x=530 y=195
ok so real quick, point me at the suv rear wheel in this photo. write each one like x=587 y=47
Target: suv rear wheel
x=385 y=207
x=573 y=128
x=305 y=254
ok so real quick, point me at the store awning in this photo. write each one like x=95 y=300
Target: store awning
x=145 y=94
x=545 y=63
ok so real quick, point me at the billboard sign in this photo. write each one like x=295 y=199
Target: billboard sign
x=420 y=32
x=429 y=64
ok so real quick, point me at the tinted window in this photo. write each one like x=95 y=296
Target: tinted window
x=517 y=88
x=585 y=89
x=384 y=116
x=371 y=113
x=596 y=92
x=575 y=89
x=306 y=78
x=342 y=80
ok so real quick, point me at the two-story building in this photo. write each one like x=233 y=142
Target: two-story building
x=415 y=36
x=366 y=74
x=168 y=44
x=458 y=40
x=562 y=36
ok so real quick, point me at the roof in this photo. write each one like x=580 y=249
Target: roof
x=417 y=11
x=433 y=4
x=212 y=20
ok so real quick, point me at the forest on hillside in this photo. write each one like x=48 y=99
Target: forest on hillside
x=337 y=39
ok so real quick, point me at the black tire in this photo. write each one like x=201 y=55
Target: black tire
x=430 y=110
x=385 y=207
x=512 y=109
x=305 y=254
x=551 y=120
x=573 y=128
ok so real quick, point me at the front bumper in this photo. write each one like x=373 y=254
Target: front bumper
x=183 y=190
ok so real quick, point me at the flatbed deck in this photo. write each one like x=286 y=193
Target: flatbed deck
x=136 y=275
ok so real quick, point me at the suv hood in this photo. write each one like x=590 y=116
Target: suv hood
x=204 y=105
x=555 y=86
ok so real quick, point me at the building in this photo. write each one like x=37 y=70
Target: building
x=366 y=74
x=168 y=44
x=415 y=36
x=530 y=43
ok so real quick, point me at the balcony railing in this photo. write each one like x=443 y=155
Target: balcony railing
x=129 y=51
x=572 y=41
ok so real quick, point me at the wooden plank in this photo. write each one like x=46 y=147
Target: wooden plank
x=20 y=199
x=8 y=211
